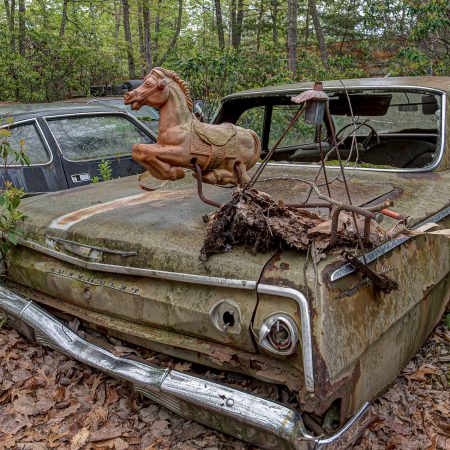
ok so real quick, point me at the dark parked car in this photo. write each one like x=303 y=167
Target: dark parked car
x=65 y=144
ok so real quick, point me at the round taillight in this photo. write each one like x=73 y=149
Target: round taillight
x=279 y=334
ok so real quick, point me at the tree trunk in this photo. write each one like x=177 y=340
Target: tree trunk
x=92 y=16
x=275 y=22
x=307 y=26
x=259 y=26
x=127 y=31
x=141 y=39
x=319 y=31
x=177 y=33
x=12 y=31
x=233 y=22
x=239 y=20
x=219 y=24
x=22 y=27
x=62 y=28
x=157 y=23
x=147 y=36
x=117 y=18
x=292 y=36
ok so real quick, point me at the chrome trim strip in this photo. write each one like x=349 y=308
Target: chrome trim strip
x=348 y=269
x=41 y=135
x=338 y=87
x=305 y=317
x=136 y=271
x=263 y=422
x=295 y=295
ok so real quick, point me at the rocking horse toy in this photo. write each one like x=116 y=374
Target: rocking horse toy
x=219 y=154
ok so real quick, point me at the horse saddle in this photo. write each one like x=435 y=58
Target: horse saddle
x=217 y=135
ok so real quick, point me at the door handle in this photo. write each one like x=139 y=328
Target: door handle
x=80 y=177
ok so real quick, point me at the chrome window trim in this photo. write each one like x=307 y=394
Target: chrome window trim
x=41 y=135
x=123 y=114
x=376 y=253
x=297 y=296
x=338 y=88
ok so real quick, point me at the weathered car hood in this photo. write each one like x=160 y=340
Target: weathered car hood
x=165 y=227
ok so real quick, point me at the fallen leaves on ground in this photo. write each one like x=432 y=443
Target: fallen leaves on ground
x=413 y=414
x=50 y=401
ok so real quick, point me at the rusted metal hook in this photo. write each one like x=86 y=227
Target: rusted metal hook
x=198 y=171
x=357 y=210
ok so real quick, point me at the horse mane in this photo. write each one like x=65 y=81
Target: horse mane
x=160 y=72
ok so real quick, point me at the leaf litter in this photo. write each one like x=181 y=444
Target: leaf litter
x=56 y=402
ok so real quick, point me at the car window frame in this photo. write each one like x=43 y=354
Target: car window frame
x=123 y=114
x=274 y=94
x=41 y=134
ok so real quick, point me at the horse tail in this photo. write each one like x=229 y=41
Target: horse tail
x=257 y=148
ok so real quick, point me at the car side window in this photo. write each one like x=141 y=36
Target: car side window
x=28 y=136
x=253 y=118
x=96 y=137
x=300 y=133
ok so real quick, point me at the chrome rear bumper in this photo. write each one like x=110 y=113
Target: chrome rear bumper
x=261 y=422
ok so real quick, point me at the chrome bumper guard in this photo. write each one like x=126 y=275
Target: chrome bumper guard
x=261 y=422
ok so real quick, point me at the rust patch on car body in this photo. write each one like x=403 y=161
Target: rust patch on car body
x=67 y=220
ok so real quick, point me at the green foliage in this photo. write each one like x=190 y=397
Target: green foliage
x=8 y=154
x=426 y=50
x=362 y=37
x=104 y=168
x=447 y=321
x=10 y=196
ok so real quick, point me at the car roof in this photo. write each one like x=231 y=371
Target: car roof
x=440 y=83
x=32 y=110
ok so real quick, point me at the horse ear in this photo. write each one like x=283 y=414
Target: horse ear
x=162 y=83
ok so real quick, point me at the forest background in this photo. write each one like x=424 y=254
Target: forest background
x=55 y=49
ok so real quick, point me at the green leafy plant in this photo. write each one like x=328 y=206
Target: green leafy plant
x=10 y=196
x=105 y=170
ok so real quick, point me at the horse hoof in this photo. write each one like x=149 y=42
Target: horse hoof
x=176 y=173
x=209 y=178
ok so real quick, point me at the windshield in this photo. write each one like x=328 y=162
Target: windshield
x=387 y=112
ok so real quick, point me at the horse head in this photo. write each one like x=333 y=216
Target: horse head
x=152 y=92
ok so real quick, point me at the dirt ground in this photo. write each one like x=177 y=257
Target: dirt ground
x=50 y=401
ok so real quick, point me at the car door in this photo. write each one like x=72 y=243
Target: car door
x=45 y=172
x=87 y=139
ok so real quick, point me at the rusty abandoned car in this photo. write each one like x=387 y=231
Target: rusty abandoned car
x=350 y=278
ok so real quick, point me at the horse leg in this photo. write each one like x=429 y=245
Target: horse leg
x=219 y=176
x=163 y=162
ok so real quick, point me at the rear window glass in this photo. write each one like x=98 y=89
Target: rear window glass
x=400 y=112
x=300 y=133
x=96 y=137
x=28 y=136
x=253 y=118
